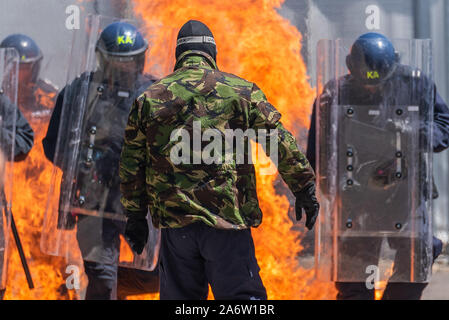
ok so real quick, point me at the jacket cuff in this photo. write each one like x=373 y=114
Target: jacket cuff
x=138 y=215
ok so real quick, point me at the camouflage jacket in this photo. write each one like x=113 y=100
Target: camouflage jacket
x=221 y=194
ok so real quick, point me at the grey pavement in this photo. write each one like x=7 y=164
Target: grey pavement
x=438 y=288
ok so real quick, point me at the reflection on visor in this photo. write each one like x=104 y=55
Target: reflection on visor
x=121 y=71
x=130 y=64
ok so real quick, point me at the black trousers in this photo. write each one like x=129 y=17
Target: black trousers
x=197 y=255
x=99 y=242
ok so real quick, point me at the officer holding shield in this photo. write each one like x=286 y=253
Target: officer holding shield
x=371 y=142
x=90 y=195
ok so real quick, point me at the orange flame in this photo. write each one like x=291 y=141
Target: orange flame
x=32 y=178
x=256 y=43
x=386 y=273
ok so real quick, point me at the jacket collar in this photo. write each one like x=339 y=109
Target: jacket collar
x=195 y=58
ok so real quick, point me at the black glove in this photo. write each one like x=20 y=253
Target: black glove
x=306 y=199
x=136 y=233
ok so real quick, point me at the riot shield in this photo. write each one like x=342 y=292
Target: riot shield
x=84 y=214
x=374 y=161
x=9 y=59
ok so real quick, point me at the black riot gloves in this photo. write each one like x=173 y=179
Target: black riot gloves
x=136 y=233
x=306 y=199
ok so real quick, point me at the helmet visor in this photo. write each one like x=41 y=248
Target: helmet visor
x=121 y=70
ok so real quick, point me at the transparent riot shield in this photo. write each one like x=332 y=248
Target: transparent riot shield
x=84 y=214
x=374 y=161
x=9 y=59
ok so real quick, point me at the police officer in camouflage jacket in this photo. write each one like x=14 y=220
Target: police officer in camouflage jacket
x=205 y=208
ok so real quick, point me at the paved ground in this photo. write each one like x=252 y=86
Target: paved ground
x=438 y=288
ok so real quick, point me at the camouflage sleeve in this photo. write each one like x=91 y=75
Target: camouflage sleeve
x=133 y=163
x=292 y=163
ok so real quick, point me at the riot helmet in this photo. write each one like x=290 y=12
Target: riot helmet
x=121 y=53
x=372 y=59
x=195 y=35
x=30 y=61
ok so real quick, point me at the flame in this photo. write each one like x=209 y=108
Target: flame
x=256 y=43
x=379 y=289
x=45 y=98
x=381 y=284
x=126 y=254
x=30 y=189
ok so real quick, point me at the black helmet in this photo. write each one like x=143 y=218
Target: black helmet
x=372 y=58
x=195 y=35
x=121 y=39
x=121 y=52
x=29 y=53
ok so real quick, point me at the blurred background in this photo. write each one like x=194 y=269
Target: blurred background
x=46 y=22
